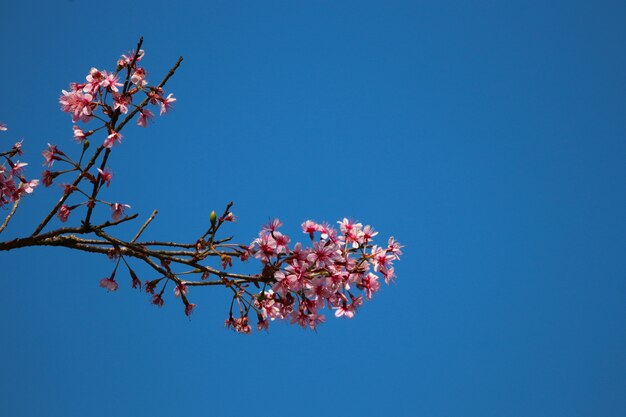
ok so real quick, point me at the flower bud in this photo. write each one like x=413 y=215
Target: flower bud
x=213 y=218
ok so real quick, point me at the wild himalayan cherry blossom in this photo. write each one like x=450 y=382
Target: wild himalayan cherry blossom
x=117 y=210
x=181 y=289
x=3 y=127
x=51 y=154
x=121 y=102
x=109 y=283
x=139 y=77
x=77 y=103
x=144 y=116
x=64 y=213
x=111 y=139
x=189 y=308
x=129 y=58
x=106 y=176
x=79 y=134
x=166 y=104
x=29 y=186
x=48 y=177
x=328 y=274
x=16 y=167
x=12 y=182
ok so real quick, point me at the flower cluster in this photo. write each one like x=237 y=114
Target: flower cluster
x=109 y=97
x=335 y=272
x=103 y=90
x=13 y=184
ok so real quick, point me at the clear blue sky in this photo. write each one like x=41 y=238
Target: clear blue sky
x=489 y=137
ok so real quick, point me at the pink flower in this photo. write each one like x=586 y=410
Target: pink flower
x=230 y=217
x=50 y=155
x=370 y=285
x=136 y=283
x=394 y=247
x=130 y=58
x=241 y=325
x=150 y=287
x=310 y=227
x=94 y=78
x=64 y=213
x=346 y=310
x=117 y=210
x=138 y=77
x=110 y=82
x=29 y=187
x=111 y=139
x=327 y=232
x=144 y=116
x=78 y=104
x=155 y=96
x=367 y=234
x=166 y=104
x=67 y=188
x=380 y=258
x=348 y=225
x=16 y=168
x=229 y=322
x=18 y=147
x=121 y=102
x=322 y=254
x=157 y=300
x=79 y=134
x=3 y=127
x=189 y=308
x=281 y=242
x=109 y=283
x=388 y=275
x=315 y=319
x=181 y=288
x=262 y=323
x=106 y=176
x=272 y=225
x=47 y=178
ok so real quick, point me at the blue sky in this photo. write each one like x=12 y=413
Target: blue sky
x=488 y=137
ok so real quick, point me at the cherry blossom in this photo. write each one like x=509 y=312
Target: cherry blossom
x=106 y=175
x=111 y=139
x=29 y=186
x=110 y=82
x=144 y=116
x=121 y=102
x=50 y=155
x=181 y=289
x=64 y=213
x=109 y=283
x=189 y=308
x=117 y=210
x=79 y=134
x=138 y=77
x=77 y=103
x=157 y=300
x=166 y=104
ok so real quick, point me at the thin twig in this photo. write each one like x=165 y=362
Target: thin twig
x=11 y=213
x=143 y=227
